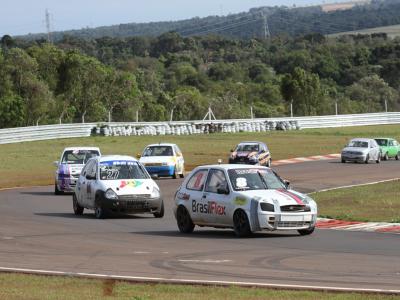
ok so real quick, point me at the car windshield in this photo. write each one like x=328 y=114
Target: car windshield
x=254 y=179
x=381 y=142
x=78 y=157
x=158 y=151
x=247 y=147
x=121 y=169
x=358 y=144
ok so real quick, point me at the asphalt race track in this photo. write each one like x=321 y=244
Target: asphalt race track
x=39 y=231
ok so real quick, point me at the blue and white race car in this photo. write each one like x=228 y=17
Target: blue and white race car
x=245 y=198
x=163 y=160
x=70 y=165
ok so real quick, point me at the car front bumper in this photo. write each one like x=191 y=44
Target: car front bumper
x=161 y=170
x=354 y=157
x=286 y=221
x=135 y=204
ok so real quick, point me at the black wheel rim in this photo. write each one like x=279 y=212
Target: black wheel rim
x=240 y=221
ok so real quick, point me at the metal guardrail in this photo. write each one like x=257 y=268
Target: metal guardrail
x=46 y=132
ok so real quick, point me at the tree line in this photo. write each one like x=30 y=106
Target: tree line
x=79 y=80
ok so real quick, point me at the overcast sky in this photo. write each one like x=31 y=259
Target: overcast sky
x=28 y=16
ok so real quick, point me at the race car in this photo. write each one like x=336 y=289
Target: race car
x=70 y=165
x=252 y=153
x=245 y=198
x=390 y=148
x=116 y=183
x=361 y=150
x=163 y=160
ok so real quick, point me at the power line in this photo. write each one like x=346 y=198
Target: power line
x=48 y=26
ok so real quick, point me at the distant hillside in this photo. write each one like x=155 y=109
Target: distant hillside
x=258 y=22
x=390 y=31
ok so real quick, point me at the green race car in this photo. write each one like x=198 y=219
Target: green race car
x=389 y=148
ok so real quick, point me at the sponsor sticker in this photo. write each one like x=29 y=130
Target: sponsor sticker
x=240 y=201
x=211 y=208
x=130 y=183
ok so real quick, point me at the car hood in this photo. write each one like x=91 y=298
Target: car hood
x=131 y=186
x=71 y=169
x=355 y=149
x=280 y=196
x=156 y=159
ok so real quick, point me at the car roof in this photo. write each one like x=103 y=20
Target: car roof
x=81 y=148
x=160 y=144
x=383 y=138
x=250 y=142
x=115 y=157
x=361 y=139
x=232 y=166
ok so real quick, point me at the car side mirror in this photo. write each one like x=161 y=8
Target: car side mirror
x=138 y=155
x=154 y=176
x=287 y=183
x=89 y=177
x=55 y=163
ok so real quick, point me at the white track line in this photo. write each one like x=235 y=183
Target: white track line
x=200 y=282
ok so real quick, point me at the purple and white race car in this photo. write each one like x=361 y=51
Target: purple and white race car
x=70 y=166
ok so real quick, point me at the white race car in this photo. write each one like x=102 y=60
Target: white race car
x=245 y=198
x=119 y=184
x=163 y=160
x=70 y=165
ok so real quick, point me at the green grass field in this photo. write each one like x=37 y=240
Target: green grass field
x=392 y=31
x=374 y=203
x=30 y=163
x=19 y=286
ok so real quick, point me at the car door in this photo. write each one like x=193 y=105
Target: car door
x=91 y=177
x=198 y=204
x=179 y=159
x=376 y=151
x=392 y=150
x=219 y=203
x=81 y=185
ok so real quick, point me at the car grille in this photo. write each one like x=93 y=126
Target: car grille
x=293 y=224
x=294 y=208
x=134 y=197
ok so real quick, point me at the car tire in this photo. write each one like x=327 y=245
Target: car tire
x=379 y=159
x=343 y=161
x=78 y=210
x=183 y=220
x=182 y=175
x=57 y=191
x=99 y=211
x=175 y=175
x=397 y=156
x=367 y=159
x=307 y=231
x=241 y=224
x=160 y=213
x=269 y=162
x=386 y=156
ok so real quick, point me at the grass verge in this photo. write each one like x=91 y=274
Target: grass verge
x=30 y=163
x=378 y=202
x=22 y=286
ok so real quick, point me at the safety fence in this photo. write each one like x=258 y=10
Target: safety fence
x=35 y=133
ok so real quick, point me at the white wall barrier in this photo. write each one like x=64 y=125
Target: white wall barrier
x=36 y=133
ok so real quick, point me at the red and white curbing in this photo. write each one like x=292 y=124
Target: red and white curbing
x=305 y=159
x=323 y=223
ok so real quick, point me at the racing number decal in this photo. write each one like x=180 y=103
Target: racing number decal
x=198 y=180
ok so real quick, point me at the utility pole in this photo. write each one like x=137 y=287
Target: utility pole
x=48 y=26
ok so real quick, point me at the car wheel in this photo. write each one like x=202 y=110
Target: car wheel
x=78 y=210
x=99 y=212
x=241 y=223
x=367 y=159
x=182 y=175
x=160 y=213
x=307 y=231
x=343 y=161
x=378 y=159
x=386 y=157
x=175 y=175
x=184 y=221
x=397 y=156
x=57 y=191
x=269 y=163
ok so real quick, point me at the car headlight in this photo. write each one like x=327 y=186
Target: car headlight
x=110 y=194
x=155 y=193
x=267 y=206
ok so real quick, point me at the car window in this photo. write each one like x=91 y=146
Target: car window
x=390 y=143
x=358 y=144
x=158 y=151
x=216 y=179
x=247 y=148
x=86 y=168
x=79 y=157
x=254 y=179
x=122 y=169
x=395 y=143
x=381 y=142
x=91 y=171
x=196 y=181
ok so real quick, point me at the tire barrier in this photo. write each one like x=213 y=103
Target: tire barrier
x=193 y=128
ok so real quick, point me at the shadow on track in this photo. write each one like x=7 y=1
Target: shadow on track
x=90 y=215
x=47 y=194
x=215 y=234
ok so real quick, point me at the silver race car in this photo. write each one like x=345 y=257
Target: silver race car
x=361 y=150
x=245 y=198
x=118 y=184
